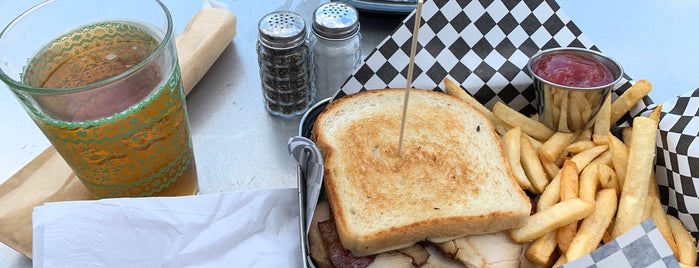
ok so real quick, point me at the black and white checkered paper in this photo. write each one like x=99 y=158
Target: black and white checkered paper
x=484 y=45
x=637 y=248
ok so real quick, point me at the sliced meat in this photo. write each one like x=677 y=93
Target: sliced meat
x=339 y=256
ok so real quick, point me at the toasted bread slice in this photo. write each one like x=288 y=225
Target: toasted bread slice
x=451 y=178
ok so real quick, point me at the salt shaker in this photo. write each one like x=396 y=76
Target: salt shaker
x=336 y=45
x=284 y=58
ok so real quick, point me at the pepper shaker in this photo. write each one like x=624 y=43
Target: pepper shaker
x=336 y=45
x=284 y=58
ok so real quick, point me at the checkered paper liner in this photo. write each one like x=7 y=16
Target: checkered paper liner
x=484 y=46
x=636 y=248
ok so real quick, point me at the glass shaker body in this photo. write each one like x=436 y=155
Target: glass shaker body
x=284 y=58
x=333 y=62
x=336 y=44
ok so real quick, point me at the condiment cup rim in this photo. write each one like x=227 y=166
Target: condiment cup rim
x=595 y=54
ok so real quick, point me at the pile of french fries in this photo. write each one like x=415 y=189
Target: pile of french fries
x=589 y=186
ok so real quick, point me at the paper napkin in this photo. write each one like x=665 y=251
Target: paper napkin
x=239 y=229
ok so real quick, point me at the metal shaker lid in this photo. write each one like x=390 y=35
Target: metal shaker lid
x=282 y=29
x=335 y=21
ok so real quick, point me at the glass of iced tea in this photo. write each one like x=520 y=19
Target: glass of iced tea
x=102 y=82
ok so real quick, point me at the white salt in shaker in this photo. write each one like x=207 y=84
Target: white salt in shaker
x=336 y=45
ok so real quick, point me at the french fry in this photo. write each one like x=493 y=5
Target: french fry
x=585 y=135
x=605 y=158
x=659 y=217
x=513 y=118
x=620 y=157
x=602 y=122
x=582 y=159
x=560 y=262
x=569 y=181
x=532 y=166
x=687 y=247
x=652 y=194
x=547 y=112
x=512 y=142
x=575 y=117
x=552 y=218
x=640 y=166
x=541 y=250
x=626 y=135
x=551 y=195
x=553 y=147
x=593 y=227
x=455 y=90
x=655 y=115
x=629 y=99
x=588 y=183
x=607 y=178
x=550 y=167
x=569 y=190
x=563 y=119
x=579 y=146
x=535 y=143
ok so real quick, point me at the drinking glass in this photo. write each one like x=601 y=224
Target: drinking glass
x=102 y=82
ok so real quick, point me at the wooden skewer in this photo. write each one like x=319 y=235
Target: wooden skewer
x=409 y=80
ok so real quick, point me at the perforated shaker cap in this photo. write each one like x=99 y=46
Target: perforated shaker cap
x=335 y=21
x=282 y=29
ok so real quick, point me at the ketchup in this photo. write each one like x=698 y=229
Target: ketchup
x=573 y=70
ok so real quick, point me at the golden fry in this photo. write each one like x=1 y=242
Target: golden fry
x=640 y=166
x=569 y=190
x=593 y=227
x=563 y=119
x=620 y=157
x=607 y=178
x=553 y=147
x=512 y=142
x=532 y=166
x=541 y=250
x=603 y=122
x=552 y=218
x=605 y=158
x=585 y=135
x=629 y=99
x=513 y=118
x=584 y=158
x=551 y=195
x=687 y=247
x=626 y=135
x=579 y=146
x=575 y=118
x=588 y=183
x=655 y=115
x=551 y=168
x=657 y=214
x=569 y=180
x=560 y=262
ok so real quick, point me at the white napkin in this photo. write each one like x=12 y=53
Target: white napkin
x=241 y=229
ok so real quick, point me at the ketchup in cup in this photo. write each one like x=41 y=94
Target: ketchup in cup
x=573 y=70
x=571 y=85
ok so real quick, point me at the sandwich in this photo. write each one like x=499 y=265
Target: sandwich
x=449 y=180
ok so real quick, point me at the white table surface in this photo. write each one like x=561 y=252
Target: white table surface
x=238 y=146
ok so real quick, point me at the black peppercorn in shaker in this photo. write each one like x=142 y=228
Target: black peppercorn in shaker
x=285 y=64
